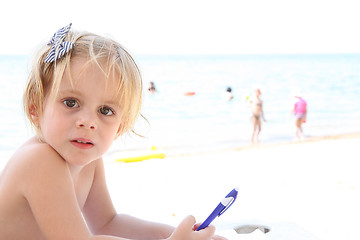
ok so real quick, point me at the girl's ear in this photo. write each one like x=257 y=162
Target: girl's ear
x=34 y=114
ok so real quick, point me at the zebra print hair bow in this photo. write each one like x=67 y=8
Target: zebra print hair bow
x=59 y=47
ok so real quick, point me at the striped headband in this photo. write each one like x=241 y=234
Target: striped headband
x=59 y=47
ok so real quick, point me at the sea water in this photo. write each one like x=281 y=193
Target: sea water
x=205 y=121
x=329 y=83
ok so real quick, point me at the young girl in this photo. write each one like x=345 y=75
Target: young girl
x=84 y=91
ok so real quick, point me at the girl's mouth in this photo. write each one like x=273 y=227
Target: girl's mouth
x=79 y=141
x=82 y=143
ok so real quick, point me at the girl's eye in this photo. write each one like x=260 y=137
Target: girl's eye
x=106 y=111
x=71 y=103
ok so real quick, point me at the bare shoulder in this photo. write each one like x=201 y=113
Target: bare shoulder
x=31 y=158
x=31 y=161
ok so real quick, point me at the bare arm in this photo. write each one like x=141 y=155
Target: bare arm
x=102 y=218
x=135 y=228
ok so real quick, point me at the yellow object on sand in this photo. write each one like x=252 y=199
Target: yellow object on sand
x=140 y=156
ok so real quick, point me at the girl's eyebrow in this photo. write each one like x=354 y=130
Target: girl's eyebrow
x=112 y=103
x=69 y=91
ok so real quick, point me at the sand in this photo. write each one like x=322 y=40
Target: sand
x=301 y=190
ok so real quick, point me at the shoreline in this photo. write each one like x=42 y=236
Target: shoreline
x=268 y=145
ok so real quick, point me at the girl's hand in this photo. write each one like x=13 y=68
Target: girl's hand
x=185 y=231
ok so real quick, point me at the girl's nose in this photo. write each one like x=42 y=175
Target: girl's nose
x=87 y=122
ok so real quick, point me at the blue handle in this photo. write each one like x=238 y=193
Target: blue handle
x=220 y=209
x=211 y=217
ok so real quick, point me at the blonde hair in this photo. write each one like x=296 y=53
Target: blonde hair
x=45 y=78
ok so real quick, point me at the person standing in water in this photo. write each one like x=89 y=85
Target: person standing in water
x=152 y=88
x=256 y=105
x=228 y=94
x=300 y=111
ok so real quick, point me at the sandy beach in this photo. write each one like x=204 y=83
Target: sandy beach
x=306 y=189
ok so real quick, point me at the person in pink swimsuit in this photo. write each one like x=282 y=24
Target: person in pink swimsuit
x=300 y=110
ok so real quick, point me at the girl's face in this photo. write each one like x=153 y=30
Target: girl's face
x=84 y=119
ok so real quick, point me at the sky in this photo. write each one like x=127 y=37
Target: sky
x=190 y=26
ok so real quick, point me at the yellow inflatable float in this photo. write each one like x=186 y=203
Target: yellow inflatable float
x=140 y=156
